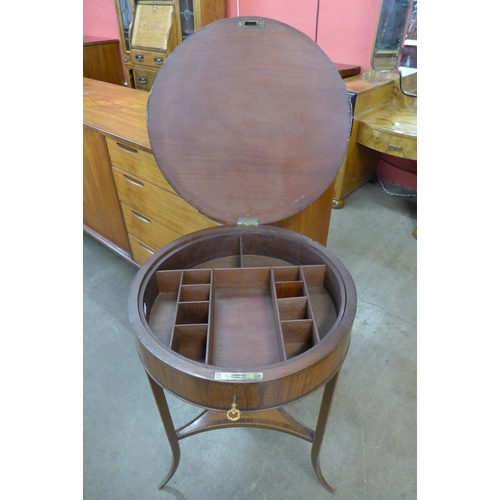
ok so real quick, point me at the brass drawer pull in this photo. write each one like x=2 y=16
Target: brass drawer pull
x=139 y=57
x=158 y=60
x=133 y=181
x=142 y=79
x=126 y=148
x=141 y=217
x=233 y=414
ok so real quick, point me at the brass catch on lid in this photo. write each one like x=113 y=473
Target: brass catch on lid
x=251 y=23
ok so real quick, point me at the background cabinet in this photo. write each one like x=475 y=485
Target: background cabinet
x=150 y=31
x=101 y=60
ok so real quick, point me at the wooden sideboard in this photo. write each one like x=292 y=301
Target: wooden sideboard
x=128 y=204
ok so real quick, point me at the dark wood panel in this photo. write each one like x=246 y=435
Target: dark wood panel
x=102 y=60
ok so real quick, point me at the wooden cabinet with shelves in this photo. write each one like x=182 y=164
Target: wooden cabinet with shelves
x=150 y=31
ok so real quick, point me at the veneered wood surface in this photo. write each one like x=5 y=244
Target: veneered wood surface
x=101 y=207
x=284 y=380
x=249 y=121
x=118 y=112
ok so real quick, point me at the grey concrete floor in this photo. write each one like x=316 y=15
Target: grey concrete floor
x=370 y=447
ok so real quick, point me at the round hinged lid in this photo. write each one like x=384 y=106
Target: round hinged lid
x=248 y=118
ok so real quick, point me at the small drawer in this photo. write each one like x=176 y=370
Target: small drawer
x=137 y=162
x=148 y=58
x=144 y=78
x=150 y=232
x=162 y=206
x=403 y=146
x=140 y=251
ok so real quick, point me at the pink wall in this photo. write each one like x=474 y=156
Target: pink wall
x=99 y=19
x=300 y=14
x=346 y=30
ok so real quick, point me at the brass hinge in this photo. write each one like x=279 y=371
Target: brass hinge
x=248 y=221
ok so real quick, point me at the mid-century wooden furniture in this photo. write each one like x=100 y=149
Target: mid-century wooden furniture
x=374 y=102
x=102 y=215
x=150 y=30
x=124 y=188
x=102 y=60
x=392 y=130
x=244 y=318
x=360 y=163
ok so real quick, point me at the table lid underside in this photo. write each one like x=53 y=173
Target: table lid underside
x=248 y=118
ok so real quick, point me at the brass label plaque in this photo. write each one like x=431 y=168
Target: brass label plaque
x=238 y=376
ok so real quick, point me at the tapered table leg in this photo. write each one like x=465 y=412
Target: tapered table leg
x=166 y=418
x=326 y=403
x=173 y=436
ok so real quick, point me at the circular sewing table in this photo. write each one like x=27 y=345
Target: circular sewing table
x=249 y=122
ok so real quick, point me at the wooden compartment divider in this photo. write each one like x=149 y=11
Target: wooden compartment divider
x=298 y=327
x=202 y=313
x=191 y=333
x=275 y=273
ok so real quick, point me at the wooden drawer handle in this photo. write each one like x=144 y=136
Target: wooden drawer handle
x=141 y=217
x=133 y=181
x=127 y=148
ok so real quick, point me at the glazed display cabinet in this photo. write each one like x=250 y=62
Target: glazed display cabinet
x=150 y=31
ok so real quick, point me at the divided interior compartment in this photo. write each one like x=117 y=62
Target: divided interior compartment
x=242 y=317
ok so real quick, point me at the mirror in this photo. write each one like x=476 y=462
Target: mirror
x=395 y=47
x=408 y=60
x=391 y=29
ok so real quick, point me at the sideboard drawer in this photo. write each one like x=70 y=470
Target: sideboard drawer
x=137 y=162
x=140 y=251
x=155 y=203
x=150 y=232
